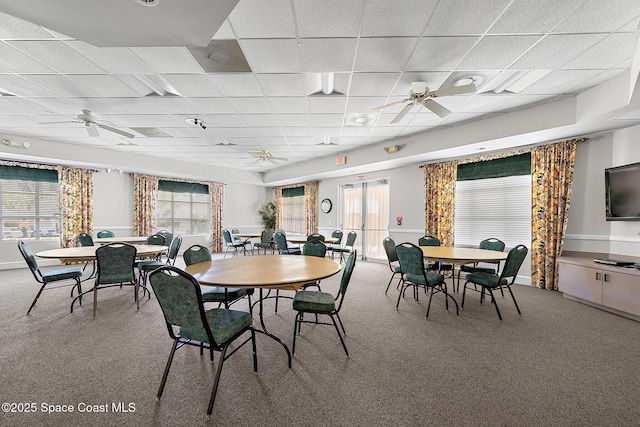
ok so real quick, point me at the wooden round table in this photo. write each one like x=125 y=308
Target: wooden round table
x=282 y=272
x=126 y=239
x=88 y=253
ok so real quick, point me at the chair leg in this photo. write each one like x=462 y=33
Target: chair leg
x=495 y=304
x=277 y=294
x=447 y=295
x=402 y=289
x=36 y=298
x=341 y=325
x=335 y=325
x=296 y=331
x=255 y=354
x=216 y=380
x=95 y=300
x=429 y=305
x=464 y=291
x=513 y=298
x=389 y=284
x=174 y=346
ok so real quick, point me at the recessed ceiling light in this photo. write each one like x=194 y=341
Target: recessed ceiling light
x=147 y=2
x=361 y=120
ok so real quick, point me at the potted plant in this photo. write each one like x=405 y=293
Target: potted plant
x=268 y=213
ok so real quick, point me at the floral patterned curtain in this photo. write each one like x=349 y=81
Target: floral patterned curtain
x=552 y=176
x=76 y=203
x=310 y=205
x=145 y=192
x=216 y=198
x=440 y=183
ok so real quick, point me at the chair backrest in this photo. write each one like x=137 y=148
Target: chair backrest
x=115 y=263
x=174 y=249
x=266 y=236
x=351 y=239
x=180 y=299
x=428 y=241
x=168 y=236
x=227 y=237
x=492 y=244
x=390 y=249
x=410 y=258
x=105 y=233
x=85 y=239
x=513 y=262
x=27 y=254
x=196 y=254
x=337 y=234
x=281 y=241
x=346 y=277
x=315 y=237
x=156 y=239
x=312 y=248
x=235 y=231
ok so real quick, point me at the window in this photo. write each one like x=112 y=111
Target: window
x=493 y=207
x=30 y=207
x=183 y=208
x=292 y=216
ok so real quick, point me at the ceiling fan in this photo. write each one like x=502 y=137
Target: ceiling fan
x=265 y=155
x=420 y=94
x=92 y=125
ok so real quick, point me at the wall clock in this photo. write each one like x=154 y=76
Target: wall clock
x=326 y=205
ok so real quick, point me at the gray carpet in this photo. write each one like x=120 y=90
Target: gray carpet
x=560 y=364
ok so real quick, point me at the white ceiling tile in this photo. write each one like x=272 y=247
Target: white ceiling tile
x=440 y=53
x=386 y=18
x=266 y=132
x=614 y=49
x=193 y=85
x=364 y=104
x=115 y=60
x=260 y=119
x=282 y=84
x=61 y=85
x=540 y=16
x=228 y=120
x=76 y=105
x=272 y=19
x=143 y=120
x=212 y=106
x=13 y=60
x=320 y=132
x=57 y=55
x=384 y=54
x=327 y=119
x=555 y=50
x=22 y=87
x=328 y=18
x=296 y=131
x=23 y=105
x=250 y=105
x=272 y=55
x=168 y=59
x=360 y=131
x=294 y=119
x=289 y=104
x=104 y=85
x=373 y=84
x=237 y=84
x=14 y=28
x=496 y=52
x=327 y=55
x=461 y=17
x=327 y=104
x=224 y=32
x=237 y=132
x=599 y=16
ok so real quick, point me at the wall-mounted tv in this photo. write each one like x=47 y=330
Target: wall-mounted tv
x=622 y=193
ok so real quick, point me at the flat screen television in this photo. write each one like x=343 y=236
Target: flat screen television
x=622 y=193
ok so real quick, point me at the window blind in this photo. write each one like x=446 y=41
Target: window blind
x=493 y=207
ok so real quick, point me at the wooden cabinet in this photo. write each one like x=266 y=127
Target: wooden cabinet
x=612 y=288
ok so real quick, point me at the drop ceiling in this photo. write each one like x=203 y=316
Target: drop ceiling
x=154 y=89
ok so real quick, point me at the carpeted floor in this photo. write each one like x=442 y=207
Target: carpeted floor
x=560 y=364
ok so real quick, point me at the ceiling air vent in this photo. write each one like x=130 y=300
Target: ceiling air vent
x=147 y=2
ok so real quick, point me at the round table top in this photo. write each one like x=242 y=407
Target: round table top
x=125 y=239
x=271 y=271
x=462 y=255
x=89 y=252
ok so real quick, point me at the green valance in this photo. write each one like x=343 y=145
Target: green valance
x=497 y=168
x=28 y=174
x=182 y=187
x=293 y=192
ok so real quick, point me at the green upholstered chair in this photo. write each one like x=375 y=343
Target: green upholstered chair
x=492 y=281
x=85 y=239
x=230 y=244
x=115 y=267
x=266 y=242
x=146 y=267
x=50 y=276
x=240 y=239
x=182 y=305
x=323 y=303
x=223 y=296
x=337 y=234
x=105 y=234
x=491 y=244
x=415 y=275
x=392 y=258
x=349 y=245
x=283 y=247
x=435 y=266
x=315 y=237
x=317 y=249
x=168 y=238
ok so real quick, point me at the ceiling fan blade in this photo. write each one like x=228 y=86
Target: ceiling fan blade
x=279 y=159
x=389 y=105
x=114 y=130
x=454 y=90
x=256 y=154
x=403 y=112
x=91 y=129
x=436 y=108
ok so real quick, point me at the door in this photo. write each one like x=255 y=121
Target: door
x=365 y=210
